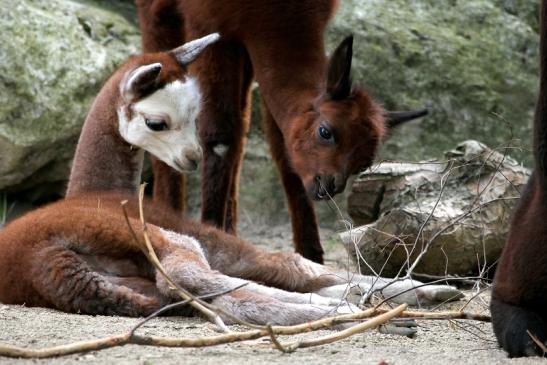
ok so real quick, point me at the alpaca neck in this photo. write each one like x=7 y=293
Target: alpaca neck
x=103 y=160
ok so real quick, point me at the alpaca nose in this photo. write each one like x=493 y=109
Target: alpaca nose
x=193 y=156
x=325 y=186
x=328 y=186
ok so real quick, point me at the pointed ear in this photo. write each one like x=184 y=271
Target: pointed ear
x=141 y=81
x=393 y=119
x=338 y=77
x=188 y=52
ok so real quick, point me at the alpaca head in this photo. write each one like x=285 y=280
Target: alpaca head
x=160 y=104
x=340 y=133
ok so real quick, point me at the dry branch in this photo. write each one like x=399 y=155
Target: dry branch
x=337 y=336
x=379 y=315
x=134 y=339
x=442 y=315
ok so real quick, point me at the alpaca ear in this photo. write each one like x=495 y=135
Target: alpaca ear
x=140 y=81
x=188 y=52
x=393 y=119
x=338 y=77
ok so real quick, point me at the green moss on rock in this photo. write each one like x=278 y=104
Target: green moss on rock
x=472 y=62
x=54 y=56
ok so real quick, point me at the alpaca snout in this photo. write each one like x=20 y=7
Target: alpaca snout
x=325 y=186
x=189 y=160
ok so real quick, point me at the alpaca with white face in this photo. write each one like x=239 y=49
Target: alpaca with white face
x=149 y=104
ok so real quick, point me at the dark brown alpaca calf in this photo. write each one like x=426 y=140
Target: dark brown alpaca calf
x=519 y=297
x=320 y=129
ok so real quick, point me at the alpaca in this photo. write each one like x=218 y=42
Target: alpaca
x=319 y=127
x=78 y=255
x=519 y=302
x=149 y=104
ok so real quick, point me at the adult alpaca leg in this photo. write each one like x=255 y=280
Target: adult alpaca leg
x=512 y=331
x=304 y=223
x=224 y=75
x=231 y=219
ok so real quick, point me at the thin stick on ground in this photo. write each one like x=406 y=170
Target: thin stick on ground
x=441 y=315
x=276 y=343
x=337 y=336
x=136 y=339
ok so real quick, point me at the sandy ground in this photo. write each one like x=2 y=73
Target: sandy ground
x=437 y=342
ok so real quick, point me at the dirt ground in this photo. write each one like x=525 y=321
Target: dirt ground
x=437 y=342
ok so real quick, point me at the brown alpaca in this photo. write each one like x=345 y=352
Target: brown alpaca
x=320 y=129
x=519 y=299
x=78 y=255
x=149 y=104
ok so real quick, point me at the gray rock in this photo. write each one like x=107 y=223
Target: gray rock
x=457 y=210
x=472 y=62
x=54 y=56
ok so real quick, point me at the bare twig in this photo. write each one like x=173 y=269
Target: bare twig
x=276 y=343
x=442 y=315
x=537 y=342
x=135 y=339
x=337 y=336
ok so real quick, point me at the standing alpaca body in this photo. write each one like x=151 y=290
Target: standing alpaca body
x=320 y=129
x=78 y=255
x=519 y=299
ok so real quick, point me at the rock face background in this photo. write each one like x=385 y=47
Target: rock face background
x=54 y=56
x=457 y=210
x=473 y=62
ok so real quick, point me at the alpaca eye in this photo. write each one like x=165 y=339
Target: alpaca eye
x=157 y=125
x=325 y=134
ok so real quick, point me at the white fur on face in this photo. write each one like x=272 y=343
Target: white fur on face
x=179 y=103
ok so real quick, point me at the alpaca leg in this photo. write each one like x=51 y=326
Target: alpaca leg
x=66 y=281
x=161 y=24
x=289 y=271
x=235 y=257
x=404 y=291
x=260 y=309
x=511 y=325
x=220 y=70
x=231 y=219
x=305 y=232
x=253 y=302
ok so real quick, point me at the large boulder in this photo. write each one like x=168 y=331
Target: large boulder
x=456 y=210
x=472 y=62
x=54 y=56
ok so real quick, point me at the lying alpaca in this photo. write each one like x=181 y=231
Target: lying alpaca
x=78 y=255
